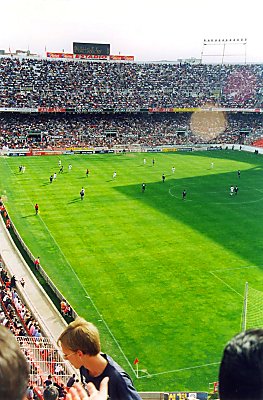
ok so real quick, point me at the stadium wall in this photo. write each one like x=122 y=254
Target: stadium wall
x=132 y=149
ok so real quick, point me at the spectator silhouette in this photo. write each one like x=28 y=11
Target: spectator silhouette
x=241 y=368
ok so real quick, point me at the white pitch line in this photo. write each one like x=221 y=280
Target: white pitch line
x=227 y=196
x=179 y=370
x=81 y=285
x=92 y=302
x=231 y=269
x=230 y=287
x=177 y=197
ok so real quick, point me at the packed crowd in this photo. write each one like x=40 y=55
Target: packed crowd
x=66 y=131
x=100 y=86
x=18 y=319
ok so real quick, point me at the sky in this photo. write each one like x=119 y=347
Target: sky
x=149 y=30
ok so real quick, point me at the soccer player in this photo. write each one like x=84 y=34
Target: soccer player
x=163 y=178
x=238 y=173
x=173 y=170
x=61 y=169
x=153 y=161
x=51 y=178
x=114 y=175
x=184 y=194
x=69 y=167
x=36 y=208
x=212 y=165
x=232 y=190
x=236 y=189
x=143 y=187
x=82 y=193
x=87 y=173
x=144 y=161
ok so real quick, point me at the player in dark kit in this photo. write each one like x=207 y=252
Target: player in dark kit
x=184 y=194
x=36 y=208
x=163 y=178
x=82 y=193
x=143 y=187
x=236 y=189
x=238 y=173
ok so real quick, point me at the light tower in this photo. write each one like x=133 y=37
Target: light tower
x=222 y=46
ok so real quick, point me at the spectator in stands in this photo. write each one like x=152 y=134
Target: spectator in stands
x=14 y=371
x=71 y=381
x=48 y=381
x=63 y=306
x=13 y=282
x=22 y=282
x=30 y=393
x=80 y=343
x=8 y=223
x=37 y=263
x=77 y=392
x=62 y=391
x=241 y=368
x=51 y=393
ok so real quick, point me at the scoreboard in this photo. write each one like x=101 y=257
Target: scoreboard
x=186 y=396
x=98 y=49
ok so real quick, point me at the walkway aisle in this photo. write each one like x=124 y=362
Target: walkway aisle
x=35 y=297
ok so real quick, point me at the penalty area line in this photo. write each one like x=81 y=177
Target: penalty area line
x=149 y=375
x=232 y=269
x=226 y=284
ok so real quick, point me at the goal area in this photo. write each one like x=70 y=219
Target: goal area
x=252 y=316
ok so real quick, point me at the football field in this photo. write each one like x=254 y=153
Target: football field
x=162 y=278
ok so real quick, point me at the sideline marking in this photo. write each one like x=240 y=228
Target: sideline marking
x=81 y=285
x=179 y=370
x=230 y=269
x=230 y=287
x=89 y=297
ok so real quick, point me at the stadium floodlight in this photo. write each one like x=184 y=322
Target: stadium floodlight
x=236 y=41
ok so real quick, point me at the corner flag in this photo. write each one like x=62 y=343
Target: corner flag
x=136 y=362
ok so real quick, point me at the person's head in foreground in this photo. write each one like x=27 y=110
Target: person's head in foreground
x=241 y=368
x=80 y=338
x=51 y=393
x=14 y=369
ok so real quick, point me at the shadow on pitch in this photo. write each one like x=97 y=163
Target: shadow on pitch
x=29 y=215
x=75 y=200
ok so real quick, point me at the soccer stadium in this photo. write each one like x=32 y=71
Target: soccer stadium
x=131 y=196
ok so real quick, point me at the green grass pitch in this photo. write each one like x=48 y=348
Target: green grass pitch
x=162 y=278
